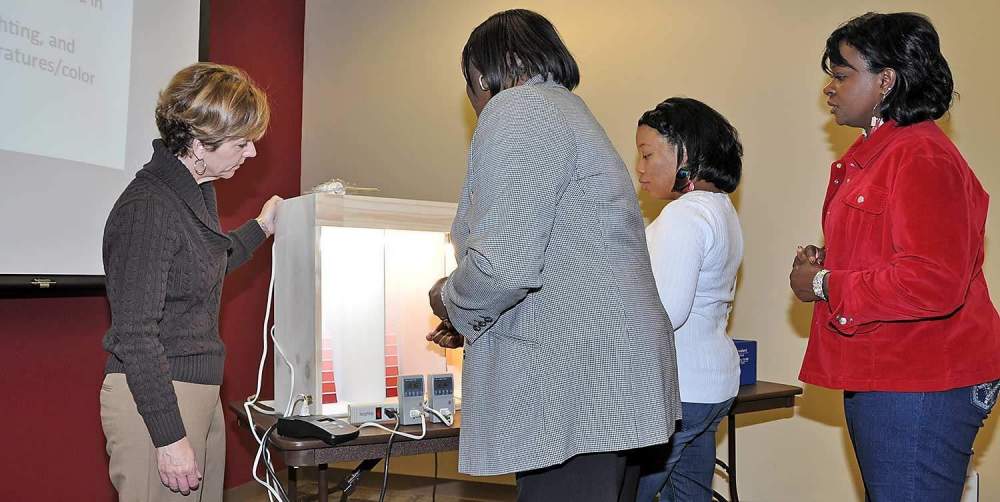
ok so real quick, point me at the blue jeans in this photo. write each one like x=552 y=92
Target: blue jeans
x=683 y=470
x=916 y=446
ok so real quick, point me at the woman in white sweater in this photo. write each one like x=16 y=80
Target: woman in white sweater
x=690 y=155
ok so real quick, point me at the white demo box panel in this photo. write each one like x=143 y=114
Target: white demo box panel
x=350 y=297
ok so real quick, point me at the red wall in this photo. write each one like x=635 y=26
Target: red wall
x=51 y=360
x=265 y=38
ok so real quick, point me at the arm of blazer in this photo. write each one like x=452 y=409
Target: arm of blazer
x=522 y=158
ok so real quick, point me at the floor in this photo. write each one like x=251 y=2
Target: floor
x=401 y=488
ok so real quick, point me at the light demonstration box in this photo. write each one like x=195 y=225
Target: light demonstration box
x=350 y=296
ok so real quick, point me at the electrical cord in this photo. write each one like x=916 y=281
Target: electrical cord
x=263 y=357
x=434 y=489
x=270 y=467
x=291 y=371
x=262 y=452
x=252 y=399
x=447 y=418
x=388 y=455
x=423 y=428
x=270 y=482
x=444 y=415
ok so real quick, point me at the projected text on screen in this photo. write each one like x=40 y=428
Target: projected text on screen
x=65 y=84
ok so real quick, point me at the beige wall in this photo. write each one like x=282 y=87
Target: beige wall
x=385 y=106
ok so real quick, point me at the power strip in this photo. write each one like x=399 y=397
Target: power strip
x=371 y=412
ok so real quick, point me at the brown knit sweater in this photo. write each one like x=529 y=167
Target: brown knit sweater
x=165 y=257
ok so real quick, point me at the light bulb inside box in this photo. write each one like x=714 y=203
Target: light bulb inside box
x=357 y=306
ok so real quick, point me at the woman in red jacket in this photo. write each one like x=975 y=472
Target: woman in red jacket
x=903 y=321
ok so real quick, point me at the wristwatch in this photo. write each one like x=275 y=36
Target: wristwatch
x=818 y=281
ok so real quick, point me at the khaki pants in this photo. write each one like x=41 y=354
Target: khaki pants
x=133 y=468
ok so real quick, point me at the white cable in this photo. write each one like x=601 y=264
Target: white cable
x=260 y=372
x=263 y=357
x=300 y=398
x=441 y=415
x=270 y=482
x=256 y=461
x=423 y=428
x=250 y=401
x=291 y=371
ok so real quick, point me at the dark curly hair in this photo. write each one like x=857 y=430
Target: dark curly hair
x=212 y=103
x=518 y=44
x=710 y=143
x=907 y=43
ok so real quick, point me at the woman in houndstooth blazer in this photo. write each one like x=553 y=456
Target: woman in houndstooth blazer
x=569 y=356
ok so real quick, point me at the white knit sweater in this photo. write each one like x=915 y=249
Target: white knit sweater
x=696 y=246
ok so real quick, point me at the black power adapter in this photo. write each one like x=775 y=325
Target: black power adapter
x=331 y=431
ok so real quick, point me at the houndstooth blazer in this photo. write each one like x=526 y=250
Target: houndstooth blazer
x=568 y=349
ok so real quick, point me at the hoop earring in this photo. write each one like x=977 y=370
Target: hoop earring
x=482 y=85
x=876 y=120
x=200 y=163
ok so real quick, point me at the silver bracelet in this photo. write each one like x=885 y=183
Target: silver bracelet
x=818 y=284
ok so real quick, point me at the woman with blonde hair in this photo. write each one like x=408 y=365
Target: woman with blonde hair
x=165 y=257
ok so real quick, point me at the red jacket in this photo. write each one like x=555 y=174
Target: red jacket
x=904 y=221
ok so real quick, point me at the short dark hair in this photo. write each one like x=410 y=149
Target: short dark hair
x=711 y=144
x=514 y=45
x=907 y=43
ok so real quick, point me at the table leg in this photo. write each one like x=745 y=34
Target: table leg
x=347 y=485
x=733 y=495
x=324 y=490
x=290 y=486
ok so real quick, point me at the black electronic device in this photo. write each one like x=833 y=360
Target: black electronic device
x=331 y=431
